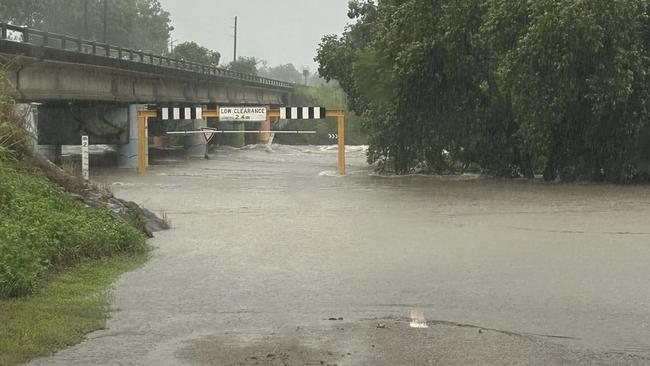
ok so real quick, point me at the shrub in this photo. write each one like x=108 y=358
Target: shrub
x=42 y=228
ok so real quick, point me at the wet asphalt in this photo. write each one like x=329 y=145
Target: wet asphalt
x=274 y=260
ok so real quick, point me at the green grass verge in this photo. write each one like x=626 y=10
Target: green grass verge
x=43 y=229
x=59 y=313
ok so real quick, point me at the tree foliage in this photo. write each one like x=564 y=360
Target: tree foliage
x=140 y=24
x=289 y=73
x=191 y=51
x=286 y=72
x=246 y=65
x=510 y=87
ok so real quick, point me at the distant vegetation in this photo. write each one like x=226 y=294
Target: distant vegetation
x=289 y=73
x=286 y=72
x=247 y=65
x=192 y=51
x=508 y=87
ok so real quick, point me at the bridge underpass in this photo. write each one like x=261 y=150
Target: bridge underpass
x=71 y=87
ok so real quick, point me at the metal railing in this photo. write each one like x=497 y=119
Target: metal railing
x=59 y=41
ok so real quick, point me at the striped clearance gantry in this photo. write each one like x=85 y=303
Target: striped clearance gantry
x=180 y=113
x=302 y=113
x=293 y=113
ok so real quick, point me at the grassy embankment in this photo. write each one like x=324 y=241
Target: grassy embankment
x=58 y=257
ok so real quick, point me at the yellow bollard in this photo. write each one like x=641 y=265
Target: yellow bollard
x=341 y=127
x=142 y=143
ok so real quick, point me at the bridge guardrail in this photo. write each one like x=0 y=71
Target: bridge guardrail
x=75 y=44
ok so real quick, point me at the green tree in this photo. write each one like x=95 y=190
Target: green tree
x=191 y=51
x=509 y=87
x=286 y=72
x=246 y=65
x=579 y=83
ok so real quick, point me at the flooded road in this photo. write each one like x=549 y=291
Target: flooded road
x=274 y=260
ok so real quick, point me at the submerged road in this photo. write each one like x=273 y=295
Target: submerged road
x=267 y=247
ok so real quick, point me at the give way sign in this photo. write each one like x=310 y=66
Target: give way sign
x=209 y=133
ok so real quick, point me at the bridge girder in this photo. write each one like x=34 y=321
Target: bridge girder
x=54 y=77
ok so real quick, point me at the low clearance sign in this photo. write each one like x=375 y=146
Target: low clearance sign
x=242 y=114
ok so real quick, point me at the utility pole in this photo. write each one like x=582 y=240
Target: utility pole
x=105 y=21
x=234 y=57
x=86 y=19
x=171 y=45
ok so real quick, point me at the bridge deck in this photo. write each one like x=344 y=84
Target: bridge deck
x=15 y=40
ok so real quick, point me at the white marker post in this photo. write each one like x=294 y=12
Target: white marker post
x=84 y=158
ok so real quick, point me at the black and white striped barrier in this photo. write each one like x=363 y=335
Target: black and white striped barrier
x=302 y=113
x=180 y=113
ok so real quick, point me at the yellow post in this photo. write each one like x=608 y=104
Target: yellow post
x=142 y=143
x=341 y=127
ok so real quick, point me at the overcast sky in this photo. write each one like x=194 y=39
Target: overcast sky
x=278 y=31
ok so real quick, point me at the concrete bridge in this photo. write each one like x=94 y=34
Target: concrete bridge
x=46 y=67
x=85 y=87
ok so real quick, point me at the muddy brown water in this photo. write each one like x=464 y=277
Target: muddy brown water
x=266 y=247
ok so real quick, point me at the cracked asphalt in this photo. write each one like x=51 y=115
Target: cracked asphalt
x=267 y=247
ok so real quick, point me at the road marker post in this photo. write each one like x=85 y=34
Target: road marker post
x=85 y=166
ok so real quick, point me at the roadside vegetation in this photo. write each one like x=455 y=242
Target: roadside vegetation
x=66 y=306
x=57 y=254
x=510 y=88
x=42 y=228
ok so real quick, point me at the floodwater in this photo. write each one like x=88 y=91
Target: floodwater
x=268 y=246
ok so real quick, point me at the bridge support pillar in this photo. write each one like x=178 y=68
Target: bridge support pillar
x=196 y=143
x=264 y=138
x=30 y=114
x=238 y=139
x=129 y=152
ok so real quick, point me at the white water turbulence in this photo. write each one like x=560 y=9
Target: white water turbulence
x=418 y=320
